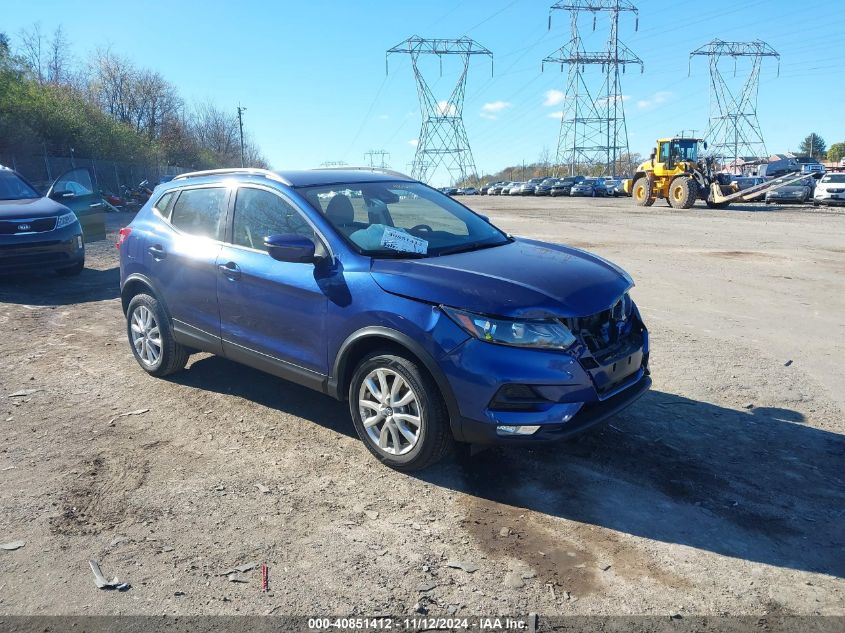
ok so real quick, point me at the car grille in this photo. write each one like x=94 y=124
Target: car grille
x=40 y=225
x=835 y=190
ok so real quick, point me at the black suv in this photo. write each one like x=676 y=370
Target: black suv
x=36 y=233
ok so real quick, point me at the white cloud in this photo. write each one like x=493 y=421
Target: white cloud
x=556 y=115
x=554 y=97
x=491 y=110
x=446 y=109
x=655 y=100
x=622 y=98
x=413 y=142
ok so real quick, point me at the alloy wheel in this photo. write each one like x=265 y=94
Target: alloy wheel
x=390 y=411
x=146 y=336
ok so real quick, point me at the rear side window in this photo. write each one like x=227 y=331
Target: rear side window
x=165 y=203
x=201 y=212
x=260 y=214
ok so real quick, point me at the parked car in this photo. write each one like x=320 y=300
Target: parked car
x=529 y=188
x=485 y=190
x=613 y=187
x=469 y=191
x=516 y=189
x=830 y=190
x=746 y=182
x=451 y=191
x=799 y=192
x=496 y=189
x=589 y=187
x=434 y=325
x=545 y=187
x=37 y=233
x=564 y=186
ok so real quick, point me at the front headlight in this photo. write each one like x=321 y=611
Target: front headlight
x=65 y=220
x=549 y=334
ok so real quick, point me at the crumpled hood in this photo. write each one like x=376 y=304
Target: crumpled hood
x=31 y=208
x=525 y=278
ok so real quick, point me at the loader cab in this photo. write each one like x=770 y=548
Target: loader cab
x=671 y=151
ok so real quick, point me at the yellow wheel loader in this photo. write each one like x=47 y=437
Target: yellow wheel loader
x=677 y=172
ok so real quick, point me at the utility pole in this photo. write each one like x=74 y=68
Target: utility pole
x=376 y=158
x=241 y=126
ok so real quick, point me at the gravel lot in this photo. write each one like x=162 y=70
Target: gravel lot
x=720 y=492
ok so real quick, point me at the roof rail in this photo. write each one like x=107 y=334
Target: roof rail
x=380 y=170
x=246 y=171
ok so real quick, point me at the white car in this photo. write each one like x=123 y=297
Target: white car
x=830 y=190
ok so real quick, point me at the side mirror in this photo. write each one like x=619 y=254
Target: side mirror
x=485 y=218
x=705 y=144
x=295 y=249
x=62 y=193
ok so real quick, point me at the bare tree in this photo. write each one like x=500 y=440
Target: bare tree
x=217 y=131
x=32 y=53
x=545 y=161
x=155 y=101
x=58 y=57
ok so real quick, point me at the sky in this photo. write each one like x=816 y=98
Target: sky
x=312 y=74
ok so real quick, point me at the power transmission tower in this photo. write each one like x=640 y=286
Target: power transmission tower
x=443 y=139
x=375 y=158
x=734 y=129
x=593 y=134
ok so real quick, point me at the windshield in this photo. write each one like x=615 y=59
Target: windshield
x=685 y=150
x=833 y=178
x=402 y=219
x=12 y=187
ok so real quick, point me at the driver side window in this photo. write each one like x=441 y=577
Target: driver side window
x=78 y=182
x=260 y=213
x=664 y=152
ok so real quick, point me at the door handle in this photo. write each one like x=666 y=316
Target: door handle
x=157 y=252
x=231 y=270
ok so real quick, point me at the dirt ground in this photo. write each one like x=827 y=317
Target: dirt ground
x=720 y=492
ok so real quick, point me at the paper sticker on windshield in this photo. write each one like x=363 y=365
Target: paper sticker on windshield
x=397 y=240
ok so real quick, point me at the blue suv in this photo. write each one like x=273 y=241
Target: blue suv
x=374 y=288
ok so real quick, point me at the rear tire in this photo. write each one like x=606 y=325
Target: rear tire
x=151 y=337
x=683 y=192
x=643 y=192
x=407 y=428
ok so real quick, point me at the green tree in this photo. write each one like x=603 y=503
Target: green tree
x=836 y=152
x=813 y=145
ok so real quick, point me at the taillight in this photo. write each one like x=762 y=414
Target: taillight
x=122 y=235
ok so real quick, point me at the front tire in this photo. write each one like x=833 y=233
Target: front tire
x=398 y=412
x=151 y=337
x=643 y=192
x=683 y=192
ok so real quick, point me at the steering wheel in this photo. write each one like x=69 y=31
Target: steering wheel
x=422 y=227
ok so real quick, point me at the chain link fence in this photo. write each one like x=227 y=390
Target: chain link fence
x=108 y=176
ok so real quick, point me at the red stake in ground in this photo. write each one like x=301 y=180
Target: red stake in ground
x=265 y=574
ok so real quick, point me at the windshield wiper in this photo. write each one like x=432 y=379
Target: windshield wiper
x=472 y=246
